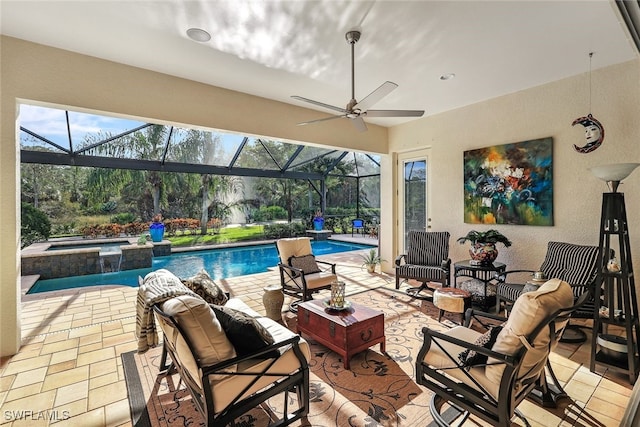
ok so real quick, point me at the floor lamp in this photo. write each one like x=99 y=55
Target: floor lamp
x=615 y=292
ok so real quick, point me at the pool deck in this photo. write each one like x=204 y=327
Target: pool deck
x=72 y=341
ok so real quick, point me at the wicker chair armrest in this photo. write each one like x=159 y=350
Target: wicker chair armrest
x=399 y=259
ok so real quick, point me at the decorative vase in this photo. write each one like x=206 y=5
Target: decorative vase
x=318 y=224
x=156 y=230
x=371 y=268
x=273 y=299
x=483 y=253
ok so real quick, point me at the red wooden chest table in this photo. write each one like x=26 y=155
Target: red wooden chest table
x=346 y=332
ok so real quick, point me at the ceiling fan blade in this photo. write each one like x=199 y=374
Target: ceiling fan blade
x=319 y=104
x=394 y=113
x=383 y=90
x=359 y=124
x=320 y=120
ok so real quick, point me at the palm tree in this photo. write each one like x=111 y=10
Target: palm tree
x=215 y=191
x=148 y=143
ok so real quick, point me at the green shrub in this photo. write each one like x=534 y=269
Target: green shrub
x=35 y=225
x=279 y=231
x=269 y=213
x=123 y=218
x=109 y=206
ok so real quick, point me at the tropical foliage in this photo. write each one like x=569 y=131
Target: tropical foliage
x=371 y=259
x=489 y=236
x=35 y=225
x=103 y=201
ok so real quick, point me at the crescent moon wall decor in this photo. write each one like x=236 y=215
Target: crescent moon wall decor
x=593 y=131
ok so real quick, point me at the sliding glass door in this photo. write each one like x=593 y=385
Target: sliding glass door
x=413 y=194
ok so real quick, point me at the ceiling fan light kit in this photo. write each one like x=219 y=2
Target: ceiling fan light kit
x=355 y=111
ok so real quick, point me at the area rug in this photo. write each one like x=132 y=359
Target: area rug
x=379 y=389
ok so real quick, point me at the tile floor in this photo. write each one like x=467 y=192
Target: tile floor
x=69 y=371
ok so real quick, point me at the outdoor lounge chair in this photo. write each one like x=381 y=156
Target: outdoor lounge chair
x=300 y=273
x=488 y=375
x=427 y=260
x=575 y=264
x=224 y=383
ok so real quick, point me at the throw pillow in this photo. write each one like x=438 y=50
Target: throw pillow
x=204 y=286
x=207 y=336
x=306 y=263
x=245 y=332
x=470 y=357
x=162 y=280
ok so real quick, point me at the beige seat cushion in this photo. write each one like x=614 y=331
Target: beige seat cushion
x=528 y=311
x=238 y=304
x=296 y=246
x=317 y=280
x=226 y=389
x=199 y=323
x=437 y=358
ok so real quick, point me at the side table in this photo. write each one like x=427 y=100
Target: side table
x=482 y=278
x=452 y=300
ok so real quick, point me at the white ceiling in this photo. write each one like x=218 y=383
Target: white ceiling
x=276 y=49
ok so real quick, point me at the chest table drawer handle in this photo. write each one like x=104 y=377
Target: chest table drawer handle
x=366 y=336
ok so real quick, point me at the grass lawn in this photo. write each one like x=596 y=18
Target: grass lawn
x=226 y=235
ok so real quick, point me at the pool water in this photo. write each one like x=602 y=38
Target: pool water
x=219 y=263
x=101 y=246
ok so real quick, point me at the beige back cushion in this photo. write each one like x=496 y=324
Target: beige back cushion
x=203 y=329
x=297 y=246
x=529 y=310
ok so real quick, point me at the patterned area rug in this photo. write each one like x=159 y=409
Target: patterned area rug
x=379 y=389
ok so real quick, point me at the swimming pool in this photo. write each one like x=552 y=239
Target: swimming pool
x=101 y=246
x=219 y=263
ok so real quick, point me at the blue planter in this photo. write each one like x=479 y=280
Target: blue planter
x=156 y=230
x=318 y=224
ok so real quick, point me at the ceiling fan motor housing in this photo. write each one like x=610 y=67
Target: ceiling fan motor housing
x=352 y=36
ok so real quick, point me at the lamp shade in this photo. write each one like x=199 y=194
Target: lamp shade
x=614 y=173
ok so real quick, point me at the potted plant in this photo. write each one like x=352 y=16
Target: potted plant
x=371 y=260
x=483 y=245
x=318 y=221
x=156 y=229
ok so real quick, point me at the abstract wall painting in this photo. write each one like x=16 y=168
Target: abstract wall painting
x=509 y=184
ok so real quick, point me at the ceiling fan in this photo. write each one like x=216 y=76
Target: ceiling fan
x=357 y=110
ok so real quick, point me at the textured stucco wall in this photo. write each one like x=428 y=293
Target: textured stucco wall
x=535 y=113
